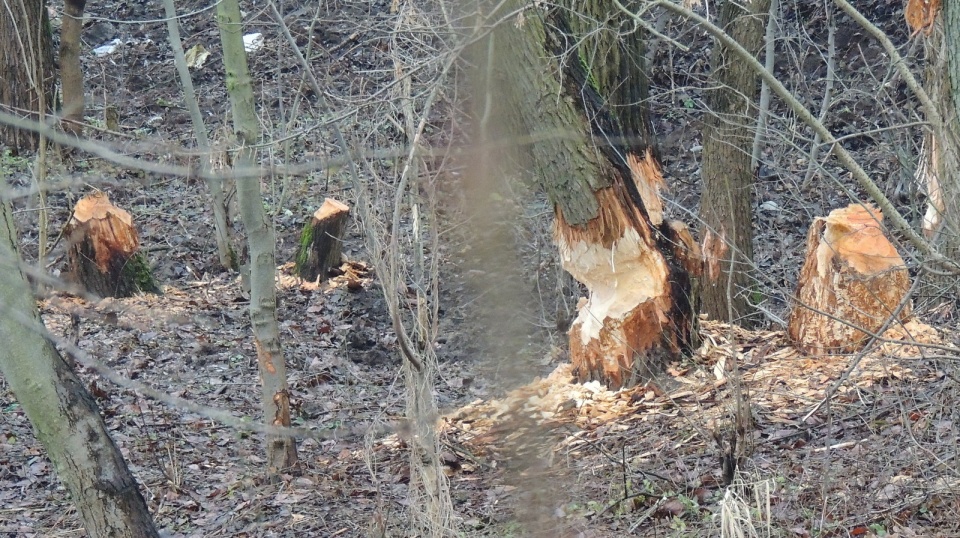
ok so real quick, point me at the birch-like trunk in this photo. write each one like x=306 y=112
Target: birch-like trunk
x=261 y=240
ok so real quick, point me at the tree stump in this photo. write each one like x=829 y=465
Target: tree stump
x=321 y=240
x=104 y=248
x=853 y=273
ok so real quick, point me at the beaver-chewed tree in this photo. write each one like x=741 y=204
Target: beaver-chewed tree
x=320 y=242
x=603 y=177
x=104 y=250
x=853 y=280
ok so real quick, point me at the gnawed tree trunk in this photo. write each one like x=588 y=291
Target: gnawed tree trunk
x=940 y=173
x=71 y=73
x=609 y=226
x=261 y=242
x=321 y=240
x=853 y=274
x=27 y=74
x=64 y=416
x=726 y=203
x=104 y=250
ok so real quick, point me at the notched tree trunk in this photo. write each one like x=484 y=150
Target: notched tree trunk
x=726 y=206
x=321 y=240
x=852 y=273
x=637 y=267
x=603 y=179
x=104 y=250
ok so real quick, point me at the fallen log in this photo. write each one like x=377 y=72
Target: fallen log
x=103 y=250
x=852 y=281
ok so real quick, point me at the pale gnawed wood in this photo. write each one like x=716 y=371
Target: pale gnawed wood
x=321 y=240
x=104 y=248
x=632 y=322
x=853 y=273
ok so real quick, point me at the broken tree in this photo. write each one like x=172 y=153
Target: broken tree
x=604 y=187
x=321 y=239
x=104 y=250
x=852 y=281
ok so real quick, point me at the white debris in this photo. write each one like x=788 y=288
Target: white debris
x=253 y=42
x=107 y=48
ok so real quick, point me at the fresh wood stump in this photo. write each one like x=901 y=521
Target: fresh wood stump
x=321 y=240
x=854 y=275
x=104 y=249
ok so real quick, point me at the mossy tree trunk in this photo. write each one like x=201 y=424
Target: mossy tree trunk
x=604 y=187
x=612 y=51
x=26 y=68
x=64 y=416
x=726 y=202
x=261 y=240
x=321 y=241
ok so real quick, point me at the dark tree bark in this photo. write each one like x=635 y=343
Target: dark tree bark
x=27 y=75
x=726 y=203
x=612 y=51
x=66 y=419
x=71 y=74
x=604 y=187
x=104 y=250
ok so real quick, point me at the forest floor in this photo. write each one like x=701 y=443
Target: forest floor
x=525 y=449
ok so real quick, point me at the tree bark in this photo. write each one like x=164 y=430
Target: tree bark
x=104 y=250
x=261 y=240
x=941 y=170
x=71 y=73
x=26 y=65
x=64 y=416
x=604 y=187
x=612 y=50
x=321 y=240
x=726 y=202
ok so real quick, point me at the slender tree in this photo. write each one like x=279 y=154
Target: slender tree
x=65 y=417
x=27 y=75
x=221 y=216
x=261 y=239
x=726 y=202
x=604 y=186
x=71 y=73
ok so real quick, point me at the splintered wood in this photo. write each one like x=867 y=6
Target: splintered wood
x=852 y=281
x=321 y=239
x=103 y=249
x=636 y=318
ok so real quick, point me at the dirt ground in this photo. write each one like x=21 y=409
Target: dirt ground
x=525 y=449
